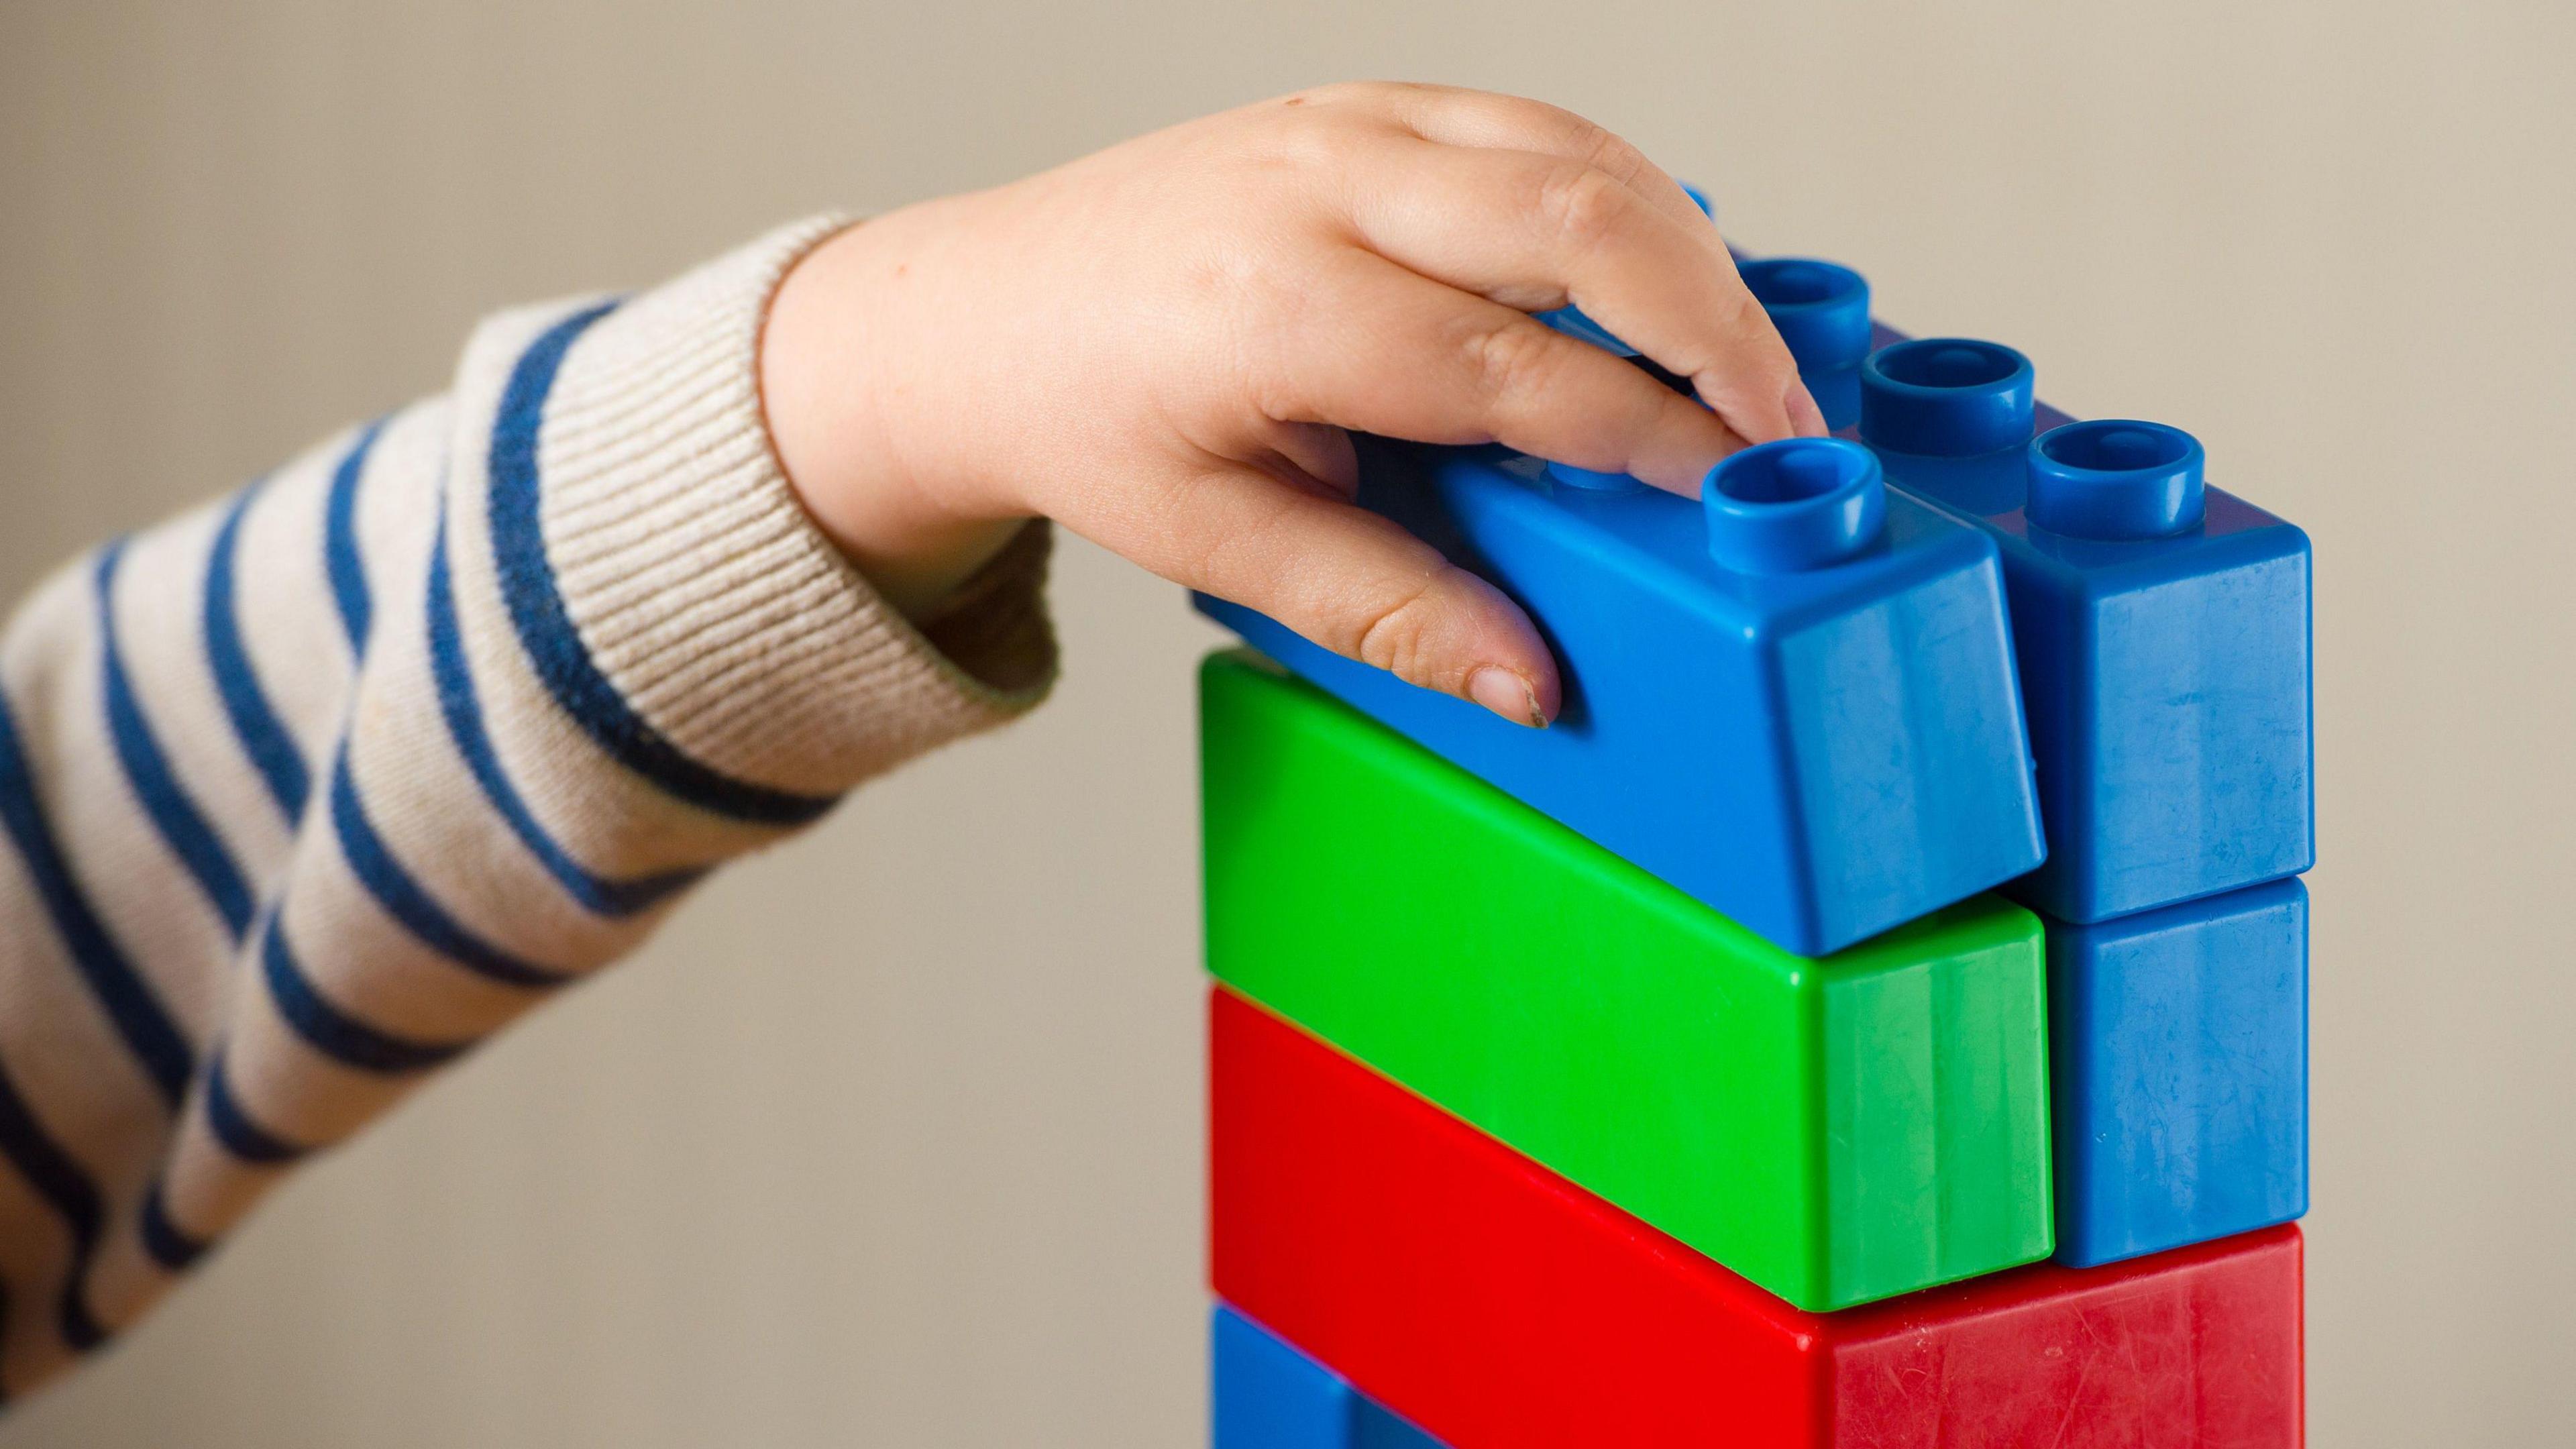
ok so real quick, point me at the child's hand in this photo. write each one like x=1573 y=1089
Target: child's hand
x=1159 y=347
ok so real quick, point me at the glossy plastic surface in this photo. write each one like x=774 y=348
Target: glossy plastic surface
x=1820 y=754
x=1947 y=397
x=2180 y=1085
x=2161 y=628
x=1838 y=1130
x=1800 y=503
x=2115 y=480
x=1500 y=1307
x=1264 y=1394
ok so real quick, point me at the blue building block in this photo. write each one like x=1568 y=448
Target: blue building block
x=2161 y=625
x=1793 y=700
x=2178 y=1045
x=1269 y=1395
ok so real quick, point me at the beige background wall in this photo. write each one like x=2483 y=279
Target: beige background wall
x=892 y=1138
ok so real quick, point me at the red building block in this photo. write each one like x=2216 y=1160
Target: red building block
x=1497 y=1305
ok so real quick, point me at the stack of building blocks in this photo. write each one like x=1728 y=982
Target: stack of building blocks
x=1905 y=896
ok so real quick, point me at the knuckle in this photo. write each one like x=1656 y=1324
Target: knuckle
x=1395 y=632
x=1309 y=148
x=1585 y=203
x=1239 y=285
x=1512 y=359
x=1593 y=140
x=1615 y=158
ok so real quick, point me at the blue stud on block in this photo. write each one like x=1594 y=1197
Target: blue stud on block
x=1266 y=1394
x=2161 y=625
x=1822 y=311
x=1793 y=700
x=2179 y=1082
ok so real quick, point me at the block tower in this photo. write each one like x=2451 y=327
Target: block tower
x=1874 y=1014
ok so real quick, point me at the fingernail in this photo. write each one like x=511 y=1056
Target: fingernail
x=1507 y=694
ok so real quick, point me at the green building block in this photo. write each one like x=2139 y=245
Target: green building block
x=1837 y=1129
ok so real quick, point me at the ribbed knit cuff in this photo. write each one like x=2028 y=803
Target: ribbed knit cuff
x=703 y=591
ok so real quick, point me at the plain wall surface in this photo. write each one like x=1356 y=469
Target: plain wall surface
x=892 y=1138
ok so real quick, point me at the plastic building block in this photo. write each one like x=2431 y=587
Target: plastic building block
x=1336 y=1433
x=1819 y=735
x=2179 y=1040
x=1837 y=1130
x=1267 y=1395
x=2161 y=625
x=1498 y=1306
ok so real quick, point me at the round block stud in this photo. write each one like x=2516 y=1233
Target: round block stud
x=1822 y=310
x=1801 y=503
x=1945 y=397
x=2115 y=479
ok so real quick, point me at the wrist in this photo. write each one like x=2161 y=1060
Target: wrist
x=830 y=358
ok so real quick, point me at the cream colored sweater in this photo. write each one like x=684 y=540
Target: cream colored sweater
x=309 y=791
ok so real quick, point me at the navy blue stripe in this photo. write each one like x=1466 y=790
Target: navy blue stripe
x=271 y=749
x=147 y=770
x=333 y=1032
x=408 y=902
x=130 y=1002
x=546 y=629
x=169 y=1244
x=66 y=1188
x=233 y=1127
x=340 y=540
x=464 y=713
x=81 y=1329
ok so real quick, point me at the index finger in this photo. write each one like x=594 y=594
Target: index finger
x=1534 y=231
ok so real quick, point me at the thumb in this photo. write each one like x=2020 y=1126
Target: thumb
x=1346 y=579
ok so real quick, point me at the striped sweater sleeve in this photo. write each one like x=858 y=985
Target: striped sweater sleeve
x=305 y=794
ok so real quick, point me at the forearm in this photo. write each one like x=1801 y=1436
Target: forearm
x=419 y=729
